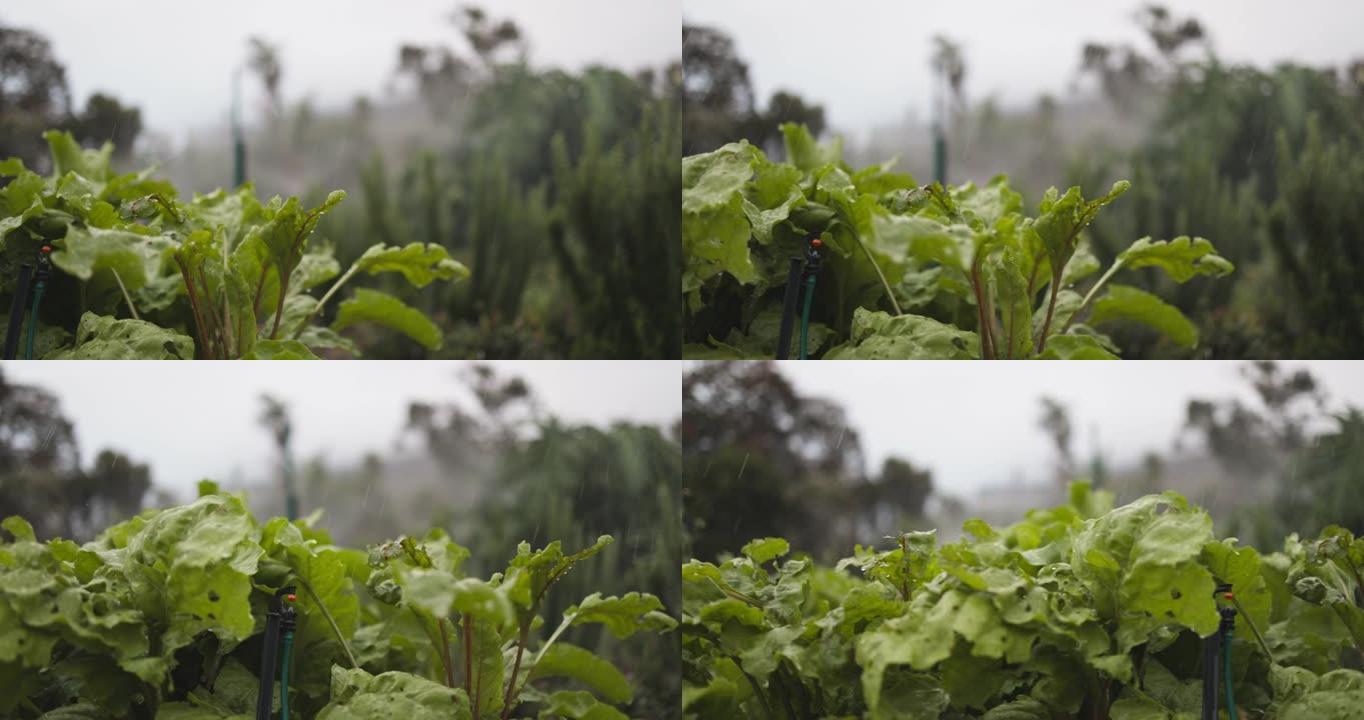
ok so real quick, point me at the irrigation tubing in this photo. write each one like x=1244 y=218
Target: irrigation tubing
x=805 y=317
x=788 y=309
x=16 y=311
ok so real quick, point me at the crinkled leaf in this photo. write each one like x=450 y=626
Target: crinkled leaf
x=382 y=309
x=419 y=263
x=1124 y=303
x=107 y=338
x=1181 y=258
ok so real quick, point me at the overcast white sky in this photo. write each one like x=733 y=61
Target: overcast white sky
x=175 y=59
x=198 y=419
x=975 y=424
x=867 y=60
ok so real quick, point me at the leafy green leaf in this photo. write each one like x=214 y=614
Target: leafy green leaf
x=624 y=615
x=107 y=338
x=766 y=549
x=578 y=705
x=279 y=350
x=383 y=309
x=358 y=695
x=581 y=665
x=419 y=263
x=807 y=154
x=1181 y=258
x=1075 y=347
x=881 y=336
x=1122 y=302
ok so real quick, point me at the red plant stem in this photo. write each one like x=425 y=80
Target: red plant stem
x=445 y=653
x=986 y=349
x=1009 y=337
x=1051 y=308
x=193 y=303
x=469 y=659
x=516 y=668
x=260 y=287
x=219 y=333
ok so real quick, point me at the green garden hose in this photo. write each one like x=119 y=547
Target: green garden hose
x=805 y=318
x=32 y=329
x=284 y=663
x=1226 y=662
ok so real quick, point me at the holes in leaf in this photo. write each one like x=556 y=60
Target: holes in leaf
x=1175 y=594
x=213 y=596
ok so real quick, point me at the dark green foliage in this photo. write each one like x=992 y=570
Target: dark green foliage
x=759 y=458
x=162 y=616
x=1078 y=611
x=562 y=190
x=36 y=97
x=41 y=476
x=575 y=483
x=617 y=238
x=1266 y=164
x=719 y=103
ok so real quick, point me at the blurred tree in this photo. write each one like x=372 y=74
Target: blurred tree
x=572 y=484
x=507 y=409
x=440 y=75
x=40 y=473
x=263 y=59
x=560 y=193
x=949 y=64
x=105 y=119
x=33 y=95
x=624 y=278
x=891 y=502
x=443 y=76
x=1125 y=74
x=1169 y=34
x=1261 y=163
x=1055 y=422
x=719 y=104
x=1253 y=443
x=1315 y=228
x=487 y=36
x=760 y=459
x=1322 y=482
x=905 y=485
x=274 y=418
x=114 y=490
x=554 y=481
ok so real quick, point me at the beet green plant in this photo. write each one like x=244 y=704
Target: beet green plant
x=162 y=617
x=138 y=273
x=1079 y=611
x=909 y=271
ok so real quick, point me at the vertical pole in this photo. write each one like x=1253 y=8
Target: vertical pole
x=939 y=156
x=290 y=489
x=238 y=134
x=940 y=130
x=788 y=309
x=16 y=312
